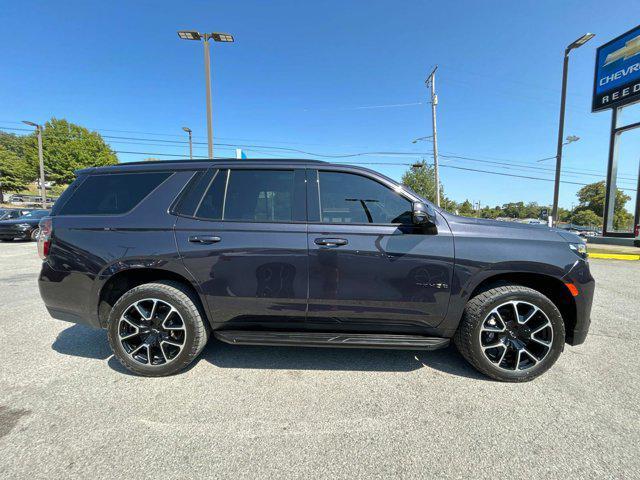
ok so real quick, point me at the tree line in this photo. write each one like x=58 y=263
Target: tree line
x=588 y=212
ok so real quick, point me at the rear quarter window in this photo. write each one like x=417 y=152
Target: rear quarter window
x=111 y=194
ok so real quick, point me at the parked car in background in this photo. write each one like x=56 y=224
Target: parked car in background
x=11 y=213
x=307 y=253
x=30 y=199
x=25 y=227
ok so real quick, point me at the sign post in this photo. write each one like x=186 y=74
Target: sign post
x=617 y=84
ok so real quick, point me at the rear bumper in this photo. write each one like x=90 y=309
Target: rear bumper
x=67 y=295
x=580 y=276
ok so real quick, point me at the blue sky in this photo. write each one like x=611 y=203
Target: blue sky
x=326 y=77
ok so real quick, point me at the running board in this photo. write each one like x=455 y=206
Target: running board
x=324 y=339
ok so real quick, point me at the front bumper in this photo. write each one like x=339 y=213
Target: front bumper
x=580 y=276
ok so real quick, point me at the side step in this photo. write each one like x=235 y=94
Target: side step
x=324 y=339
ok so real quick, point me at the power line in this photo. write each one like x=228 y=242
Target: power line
x=251 y=147
x=494 y=160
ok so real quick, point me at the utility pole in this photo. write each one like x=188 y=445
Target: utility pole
x=43 y=188
x=431 y=81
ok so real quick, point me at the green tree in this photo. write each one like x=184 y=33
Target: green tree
x=466 y=209
x=491 y=212
x=564 y=215
x=592 y=197
x=15 y=172
x=513 y=210
x=68 y=147
x=586 y=218
x=421 y=179
x=12 y=143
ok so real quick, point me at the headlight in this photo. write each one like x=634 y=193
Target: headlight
x=579 y=248
x=23 y=226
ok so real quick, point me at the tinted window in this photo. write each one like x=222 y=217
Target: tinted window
x=260 y=195
x=112 y=193
x=211 y=205
x=349 y=198
x=193 y=192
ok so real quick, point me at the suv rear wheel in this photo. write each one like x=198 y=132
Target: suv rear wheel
x=511 y=333
x=156 y=329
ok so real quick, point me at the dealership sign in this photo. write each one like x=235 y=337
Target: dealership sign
x=617 y=80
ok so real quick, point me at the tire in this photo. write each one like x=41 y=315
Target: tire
x=542 y=335
x=34 y=234
x=6 y=239
x=161 y=343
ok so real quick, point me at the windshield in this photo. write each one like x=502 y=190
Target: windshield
x=36 y=214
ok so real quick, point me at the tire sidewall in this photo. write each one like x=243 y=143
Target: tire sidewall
x=557 y=345
x=34 y=234
x=141 y=293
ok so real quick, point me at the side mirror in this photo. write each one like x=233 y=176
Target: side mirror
x=423 y=214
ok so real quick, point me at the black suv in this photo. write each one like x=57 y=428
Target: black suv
x=283 y=252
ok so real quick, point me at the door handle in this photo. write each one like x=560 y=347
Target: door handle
x=206 y=239
x=331 y=242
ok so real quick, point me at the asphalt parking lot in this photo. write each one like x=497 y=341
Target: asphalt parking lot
x=67 y=409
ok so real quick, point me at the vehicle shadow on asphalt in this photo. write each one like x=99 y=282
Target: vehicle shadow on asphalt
x=86 y=342
x=81 y=341
x=336 y=359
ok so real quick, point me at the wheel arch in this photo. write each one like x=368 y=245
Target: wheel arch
x=551 y=287
x=125 y=280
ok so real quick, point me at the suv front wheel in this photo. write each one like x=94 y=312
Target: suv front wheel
x=511 y=333
x=156 y=329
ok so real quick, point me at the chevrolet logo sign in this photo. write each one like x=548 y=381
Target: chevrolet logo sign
x=631 y=48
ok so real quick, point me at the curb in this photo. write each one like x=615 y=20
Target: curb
x=615 y=256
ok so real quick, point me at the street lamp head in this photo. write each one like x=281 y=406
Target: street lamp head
x=572 y=138
x=186 y=129
x=581 y=41
x=222 y=37
x=189 y=35
x=31 y=124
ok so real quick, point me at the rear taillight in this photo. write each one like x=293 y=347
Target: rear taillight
x=44 y=237
x=636 y=231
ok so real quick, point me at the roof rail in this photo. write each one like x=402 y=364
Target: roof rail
x=225 y=160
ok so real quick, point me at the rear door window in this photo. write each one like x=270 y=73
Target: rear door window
x=250 y=196
x=112 y=194
x=210 y=206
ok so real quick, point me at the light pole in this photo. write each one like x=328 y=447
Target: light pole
x=568 y=140
x=217 y=37
x=43 y=189
x=188 y=130
x=563 y=97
